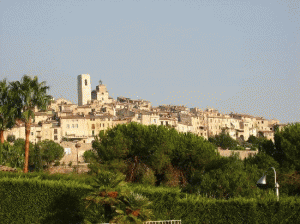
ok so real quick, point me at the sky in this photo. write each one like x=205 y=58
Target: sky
x=239 y=56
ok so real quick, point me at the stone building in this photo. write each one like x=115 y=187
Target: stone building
x=84 y=89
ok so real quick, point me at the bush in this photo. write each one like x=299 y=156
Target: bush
x=148 y=178
x=225 y=178
x=224 y=141
x=57 y=163
x=70 y=164
x=11 y=138
x=89 y=156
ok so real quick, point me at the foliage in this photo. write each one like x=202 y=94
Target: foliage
x=27 y=95
x=262 y=144
x=289 y=183
x=287 y=147
x=224 y=141
x=225 y=178
x=36 y=162
x=8 y=110
x=11 y=138
x=51 y=151
x=263 y=161
x=44 y=153
x=14 y=155
x=156 y=147
x=89 y=156
x=148 y=178
x=110 y=200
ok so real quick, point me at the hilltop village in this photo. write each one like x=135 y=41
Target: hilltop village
x=97 y=111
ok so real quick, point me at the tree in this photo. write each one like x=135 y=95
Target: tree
x=262 y=144
x=11 y=138
x=48 y=151
x=263 y=161
x=287 y=147
x=28 y=94
x=7 y=109
x=153 y=147
x=224 y=141
x=225 y=178
x=110 y=200
x=89 y=156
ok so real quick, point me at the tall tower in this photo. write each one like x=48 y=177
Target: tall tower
x=84 y=89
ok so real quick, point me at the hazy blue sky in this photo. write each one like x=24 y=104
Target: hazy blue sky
x=232 y=55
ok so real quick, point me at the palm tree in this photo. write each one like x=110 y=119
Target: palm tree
x=7 y=109
x=28 y=94
x=112 y=201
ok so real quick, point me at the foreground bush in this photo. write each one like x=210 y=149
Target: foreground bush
x=112 y=201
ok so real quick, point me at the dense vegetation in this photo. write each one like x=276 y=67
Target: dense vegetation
x=159 y=155
x=41 y=154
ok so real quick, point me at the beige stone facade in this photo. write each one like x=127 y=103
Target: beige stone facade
x=97 y=111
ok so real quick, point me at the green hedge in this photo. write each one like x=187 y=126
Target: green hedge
x=32 y=200
x=41 y=201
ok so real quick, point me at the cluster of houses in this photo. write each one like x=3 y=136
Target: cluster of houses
x=97 y=111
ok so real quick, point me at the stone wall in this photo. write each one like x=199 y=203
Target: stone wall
x=66 y=169
x=73 y=156
x=243 y=153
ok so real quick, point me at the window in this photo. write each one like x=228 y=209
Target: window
x=31 y=133
x=85 y=82
x=162 y=123
x=166 y=123
x=103 y=125
x=93 y=126
x=76 y=125
x=55 y=131
x=93 y=133
x=68 y=126
x=72 y=125
x=154 y=120
x=100 y=125
x=55 y=137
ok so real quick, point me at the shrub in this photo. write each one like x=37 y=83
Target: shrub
x=70 y=163
x=148 y=178
x=57 y=163
x=11 y=138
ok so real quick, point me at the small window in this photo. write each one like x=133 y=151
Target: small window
x=55 y=131
x=103 y=125
x=68 y=126
x=166 y=122
x=93 y=133
x=85 y=82
x=55 y=137
x=31 y=133
x=72 y=125
x=76 y=125
x=162 y=123
x=93 y=126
